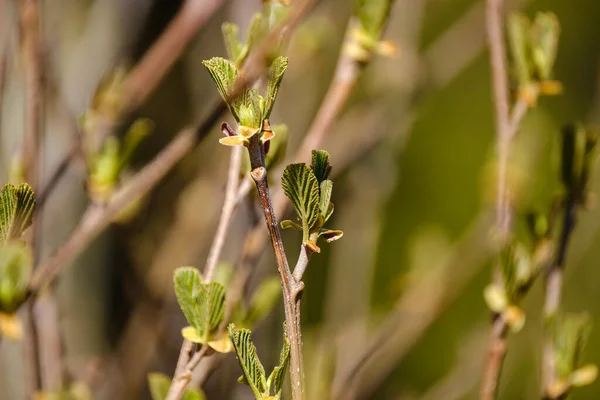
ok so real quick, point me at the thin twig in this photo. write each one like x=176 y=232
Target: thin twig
x=506 y=127
x=229 y=205
x=184 y=365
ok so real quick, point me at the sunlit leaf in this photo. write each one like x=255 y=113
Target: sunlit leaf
x=231 y=33
x=16 y=264
x=277 y=377
x=373 y=15
x=254 y=373
x=331 y=235
x=224 y=73
x=325 y=199
x=545 y=32
x=159 y=385
x=287 y=224
x=518 y=39
x=320 y=165
x=302 y=188
x=17 y=205
x=274 y=81
x=569 y=334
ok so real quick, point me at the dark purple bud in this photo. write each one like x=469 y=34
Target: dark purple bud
x=267 y=146
x=227 y=130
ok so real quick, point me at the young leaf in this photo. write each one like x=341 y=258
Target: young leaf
x=211 y=300
x=275 y=76
x=159 y=386
x=570 y=333
x=16 y=264
x=544 y=38
x=301 y=187
x=231 y=33
x=134 y=136
x=325 y=195
x=331 y=235
x=320 y=165
x=17 y=205
x=254 y=372
x=255 y=33
x=187 y=282
x=518 y=39
x=287 y=224
x=278 y=375
x=372 y=15
x=224 y=73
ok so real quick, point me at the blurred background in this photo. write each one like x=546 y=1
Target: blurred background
x=413 y=156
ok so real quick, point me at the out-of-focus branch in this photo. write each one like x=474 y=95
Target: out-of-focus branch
x=96 y=218
x=151 y=69
x=413 y=313
x=185 y=365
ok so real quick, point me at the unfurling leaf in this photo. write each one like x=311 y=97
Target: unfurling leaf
x=16 y=264
x=578 y=153
x=331 y=235
x=134 y=136
x=325 y=199
x=287 y=224
x=495 y=298
x=254 y=372
x=518 y=38
x=231 y=33
x=373 y=15
x=320 y=165
x=17 y=205
x=202 y=304
x=584 y=376
x=275 y=76
x=302 y=188
x=224 y=73
x=569 y=335
x=545 y=32
x=277 y=377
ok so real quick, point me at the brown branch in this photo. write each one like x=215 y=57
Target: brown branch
x=183 y=373
x=292 y=289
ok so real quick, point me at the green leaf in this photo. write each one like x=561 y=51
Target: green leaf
x=159 y=385
x=277 y=377
x=134 y=136
x=320 y=165
x=224 y=73
x=302 y=188
x=256 y=32
x=202 y=304
x=331 y=235
x=545 y=32
x=263 y=301
x=16 y=264
x=276 y=73
x=254 y=373
x=516 y=270
x=518 y=39
x=287 y=224
x=570 y=334
x=231 y=33
x=250 y=109
x=373 y=15
x=17 y=205
x=325 y=197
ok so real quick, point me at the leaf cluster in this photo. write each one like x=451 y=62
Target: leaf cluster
x=106 y=165
x=253 y=371
x=310 y=190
